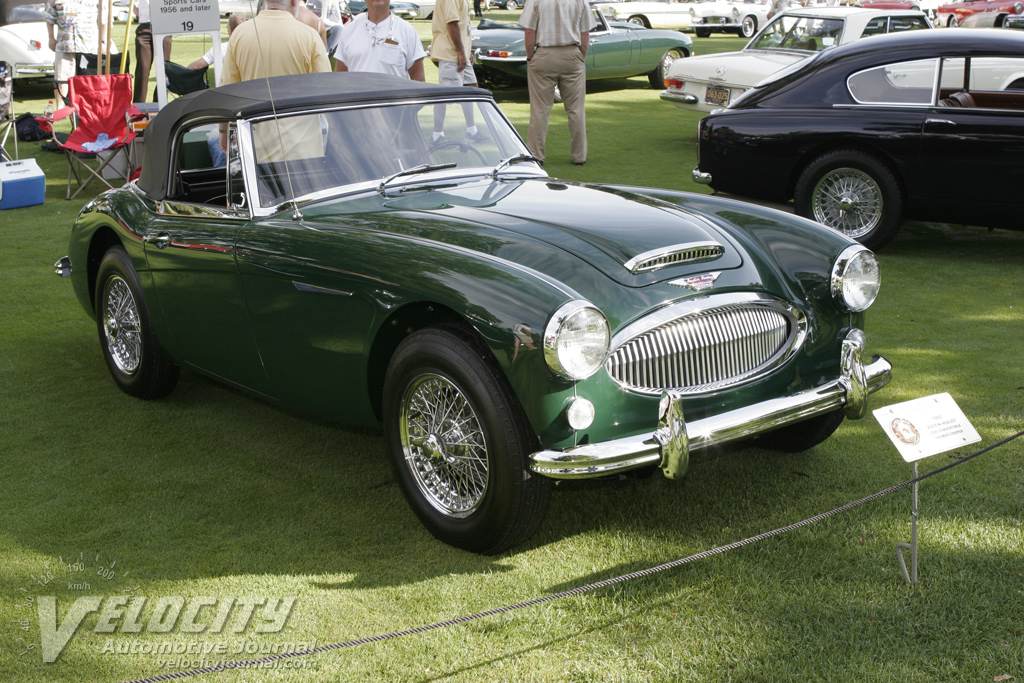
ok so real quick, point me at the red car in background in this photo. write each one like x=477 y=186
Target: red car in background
x=978 y=13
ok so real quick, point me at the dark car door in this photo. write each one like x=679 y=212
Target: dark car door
x=312 y=302
x=972 y=152
x=192 y=261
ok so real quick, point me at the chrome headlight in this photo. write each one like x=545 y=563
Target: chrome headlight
x=855 y=278
x=1018 y=8
x=576 y=340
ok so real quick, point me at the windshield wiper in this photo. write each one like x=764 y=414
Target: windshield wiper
x=505 y=163
x=415 y=170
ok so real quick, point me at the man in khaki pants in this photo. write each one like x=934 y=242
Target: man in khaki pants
x=557 y=37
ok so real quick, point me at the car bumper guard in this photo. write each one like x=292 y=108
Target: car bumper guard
x=677 y=96
x=670 y=445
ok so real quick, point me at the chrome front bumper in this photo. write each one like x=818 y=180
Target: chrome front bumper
x=670 y=445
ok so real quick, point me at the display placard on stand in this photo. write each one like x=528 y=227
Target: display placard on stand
x=919 y=429
x=182 y=17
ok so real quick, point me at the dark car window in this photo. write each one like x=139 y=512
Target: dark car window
x=899 y=83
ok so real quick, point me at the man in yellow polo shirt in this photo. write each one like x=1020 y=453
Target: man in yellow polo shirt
x=275 y=43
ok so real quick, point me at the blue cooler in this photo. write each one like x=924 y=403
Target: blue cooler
x=21 y=184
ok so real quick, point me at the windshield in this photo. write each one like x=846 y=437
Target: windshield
x=316 y=153
x=811 y=34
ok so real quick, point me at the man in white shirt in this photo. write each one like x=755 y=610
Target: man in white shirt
x=380 y=42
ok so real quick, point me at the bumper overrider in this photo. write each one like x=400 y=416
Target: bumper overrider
x=670 y=445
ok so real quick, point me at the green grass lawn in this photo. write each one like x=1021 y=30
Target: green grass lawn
x=213 y=493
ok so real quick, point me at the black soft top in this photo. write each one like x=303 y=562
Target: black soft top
x=250 y=99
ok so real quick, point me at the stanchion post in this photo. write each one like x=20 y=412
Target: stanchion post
x=911 y=577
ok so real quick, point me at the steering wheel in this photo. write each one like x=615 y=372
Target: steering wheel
x=462 y=146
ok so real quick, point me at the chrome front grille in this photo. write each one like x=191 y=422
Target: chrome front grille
x=706 y=349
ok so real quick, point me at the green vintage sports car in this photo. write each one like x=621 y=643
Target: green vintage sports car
x=618 y=50
x=504 y=327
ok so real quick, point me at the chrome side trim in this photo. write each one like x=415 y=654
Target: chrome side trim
x=676 y=254
x=671 y=443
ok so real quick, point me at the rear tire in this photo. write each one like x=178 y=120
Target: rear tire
x=459 y=442
x=853 y=193
x=658 y=76
x=138 y=365
x=512 y=4
x=639 y=20
x=952 y=23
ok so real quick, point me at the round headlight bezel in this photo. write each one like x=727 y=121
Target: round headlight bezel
x=852 y=286
x=563 y=359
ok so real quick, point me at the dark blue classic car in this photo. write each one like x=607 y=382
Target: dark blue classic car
x=927 y=125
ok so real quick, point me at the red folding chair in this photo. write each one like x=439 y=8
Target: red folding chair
x=103 y=108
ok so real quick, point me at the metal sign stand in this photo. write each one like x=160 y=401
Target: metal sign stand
x=911 y=577
x=919 y=429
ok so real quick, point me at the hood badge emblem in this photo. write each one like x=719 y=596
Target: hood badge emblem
x=697 y=283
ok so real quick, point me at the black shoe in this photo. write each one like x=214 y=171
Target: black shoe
x=578 y=163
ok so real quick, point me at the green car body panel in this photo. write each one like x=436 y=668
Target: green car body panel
x=495 y=267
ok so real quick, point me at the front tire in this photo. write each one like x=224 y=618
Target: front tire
x=749 y=26
x=138 y=365
x=952 y=23
x=853 y=193
x=512 y=5
x=702 y=32
x=658 y=76
x=459 y=442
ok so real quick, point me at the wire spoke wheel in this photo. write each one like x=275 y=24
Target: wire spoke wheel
x=121 y=326
x=848 y=200
x=444 y=445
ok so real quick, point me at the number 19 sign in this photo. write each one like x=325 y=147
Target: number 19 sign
x=185 y=16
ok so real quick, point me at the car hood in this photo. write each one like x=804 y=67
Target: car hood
x=547 y=225
x=511 y=39
x=745 y=68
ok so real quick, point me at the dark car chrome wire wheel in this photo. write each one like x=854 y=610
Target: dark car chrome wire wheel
x=121 y=326
x=848 y=200
x=444 y=445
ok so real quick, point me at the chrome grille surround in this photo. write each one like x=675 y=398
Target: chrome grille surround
x=702 y=346
x=693 y=252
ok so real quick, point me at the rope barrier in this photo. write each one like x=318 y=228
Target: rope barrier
x=253 y=663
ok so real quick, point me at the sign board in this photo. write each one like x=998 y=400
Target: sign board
x=926 y=426
x=176 y=17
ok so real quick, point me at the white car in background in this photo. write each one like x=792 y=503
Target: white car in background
x=24 y=39
x=668 y=14
x=742 y=17
x=713 y=81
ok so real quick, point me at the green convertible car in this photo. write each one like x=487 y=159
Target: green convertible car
x=506 y=328
x=616 y=50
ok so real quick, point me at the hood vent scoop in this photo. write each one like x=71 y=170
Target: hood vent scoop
x=675 y=255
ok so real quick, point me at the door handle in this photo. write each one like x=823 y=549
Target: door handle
x=946 y=121
x=161 y=241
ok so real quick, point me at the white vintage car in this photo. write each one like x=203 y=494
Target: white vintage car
x=669 y=14
x=742 y=17
x=24 y=39
x=713 y=81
